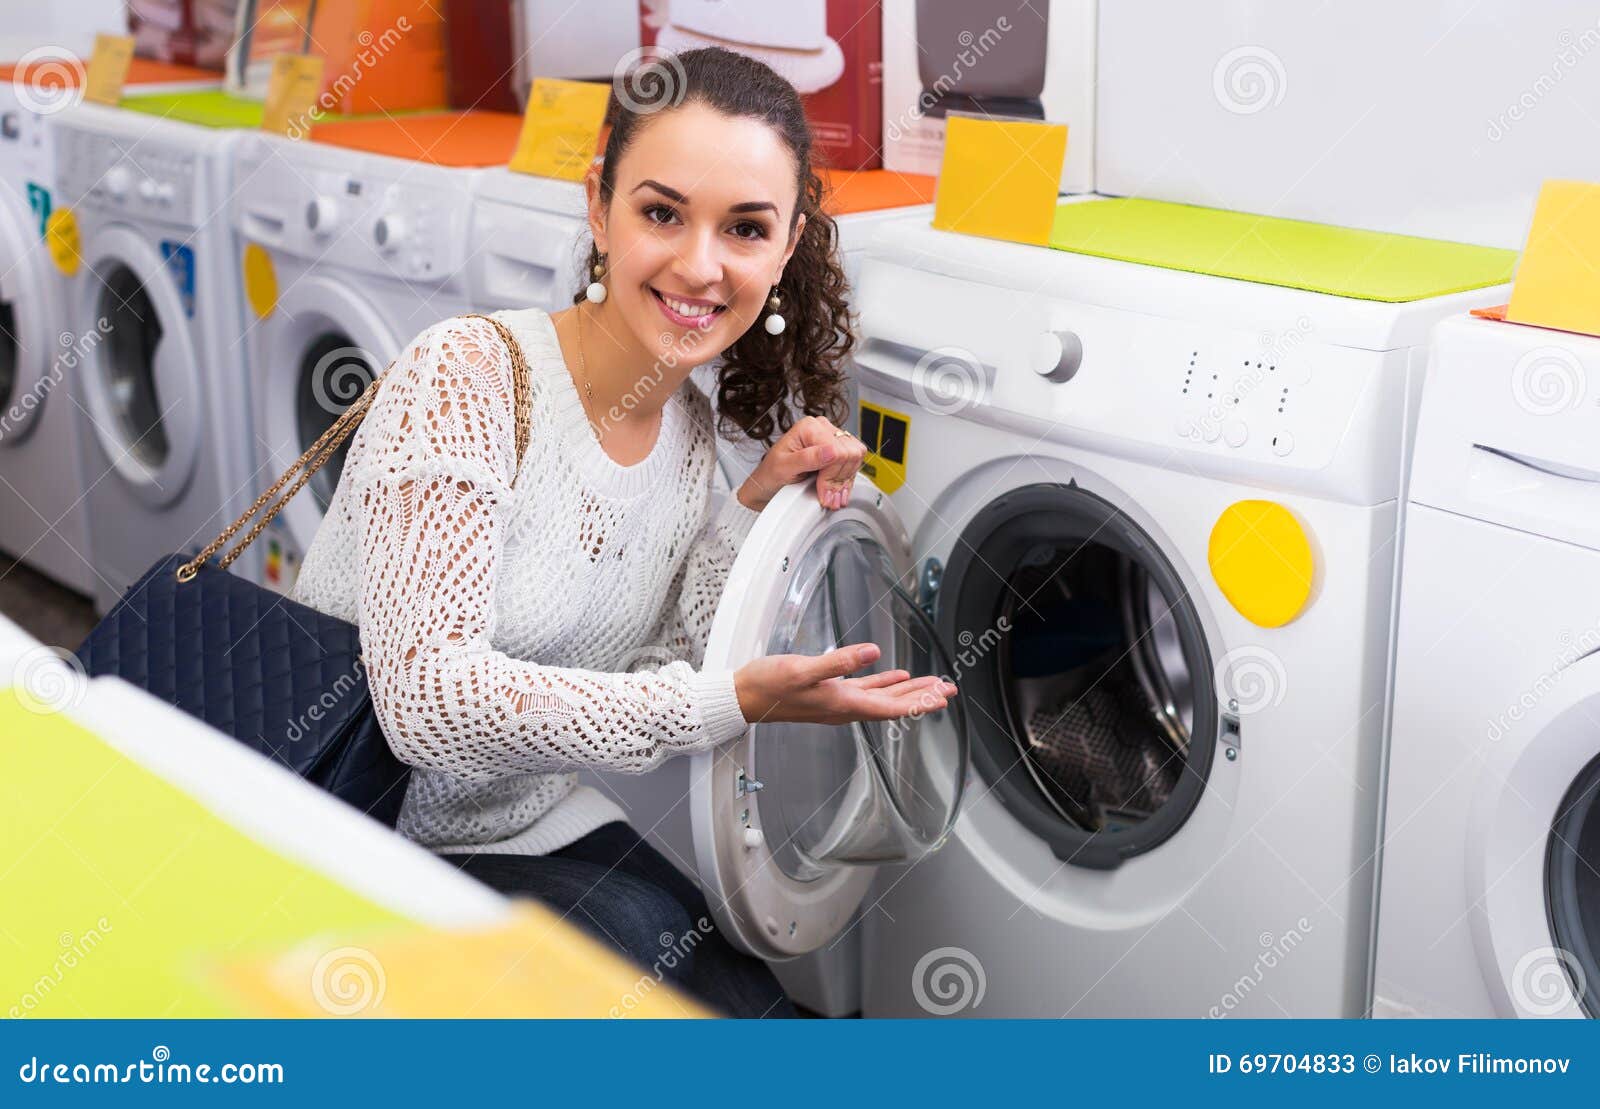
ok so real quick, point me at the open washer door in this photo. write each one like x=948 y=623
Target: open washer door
x=791 y=820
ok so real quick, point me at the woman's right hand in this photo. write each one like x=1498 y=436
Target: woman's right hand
x=817 y=689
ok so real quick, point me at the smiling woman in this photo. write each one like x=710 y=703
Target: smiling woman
x=535 y=579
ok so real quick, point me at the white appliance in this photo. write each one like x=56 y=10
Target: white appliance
x=1460 y=112
x=166 y=431
x=1174 y=808
x=42 y=517
x=1489 y=903
x=365 y=252
x=552 y=39
x=792 y=39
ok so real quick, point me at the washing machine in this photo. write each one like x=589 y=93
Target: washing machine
x=1489 y=903
x=164 y=456
x=1153 y=513
x=347 y=253
x=42 y=519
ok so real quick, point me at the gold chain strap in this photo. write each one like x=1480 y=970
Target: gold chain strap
x=307 y=465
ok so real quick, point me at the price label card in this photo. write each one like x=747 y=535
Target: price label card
x=292 y=94
x=1000 y=178
x=561 y=128
x=108 y=69
x=1557 y=284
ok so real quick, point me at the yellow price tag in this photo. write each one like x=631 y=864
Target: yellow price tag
x=62 y=240
x=1556 y=283
x=560 y=128
x=292 y=94
x=260 y=280
x=1000 y=178
x=108 y=69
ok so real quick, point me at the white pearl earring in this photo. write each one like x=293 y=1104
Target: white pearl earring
x=596 y=292
x=775 y=323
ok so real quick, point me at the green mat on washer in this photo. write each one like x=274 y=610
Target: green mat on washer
x=211 y=108
x=1344 y=261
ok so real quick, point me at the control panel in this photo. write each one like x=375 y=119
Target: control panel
x=1163 y=388
x=403 y=222
x=141 y=176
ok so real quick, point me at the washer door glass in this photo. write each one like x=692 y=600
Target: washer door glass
x=1094 y=716
x=10 y=354
x=133 y=338
x=334 y=372
x=1572 y=884
x=864 y=793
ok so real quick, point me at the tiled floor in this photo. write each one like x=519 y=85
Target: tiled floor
x=48 y=612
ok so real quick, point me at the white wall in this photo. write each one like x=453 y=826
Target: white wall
x=70 y=24
x=1430 y=117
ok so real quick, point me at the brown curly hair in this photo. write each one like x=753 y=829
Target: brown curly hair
x=765 y=381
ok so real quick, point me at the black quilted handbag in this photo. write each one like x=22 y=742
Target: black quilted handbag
x=279 y=676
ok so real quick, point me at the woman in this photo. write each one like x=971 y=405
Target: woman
x=498 y=620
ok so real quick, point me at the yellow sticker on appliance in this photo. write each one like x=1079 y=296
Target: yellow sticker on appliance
x=62 y=240
x=108 y=69
x=260 y=280
x=561 y=128
x=886 y=434
x=1262 y=560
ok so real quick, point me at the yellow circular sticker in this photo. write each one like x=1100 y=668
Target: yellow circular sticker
x=260 y=280
x=1261 y=558
x=61 y=239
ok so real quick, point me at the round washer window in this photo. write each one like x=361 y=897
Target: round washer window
x=1572 y=884
x=1086 y=673
x=333 y=373
x=10 y=355
x=133 y=336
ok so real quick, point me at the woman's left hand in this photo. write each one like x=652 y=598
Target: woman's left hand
x=812 y=446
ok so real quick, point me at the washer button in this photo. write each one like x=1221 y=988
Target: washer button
x=1236 y=433
x=1282 y=444
x=1210 y=430
x=1185 y=428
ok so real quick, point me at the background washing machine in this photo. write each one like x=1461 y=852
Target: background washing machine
x=347 y=255
x=1174 y=805
x=165 y=457
x=1490 y=903
x=42 y=518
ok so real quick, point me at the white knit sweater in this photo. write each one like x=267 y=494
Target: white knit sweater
x=514 y=633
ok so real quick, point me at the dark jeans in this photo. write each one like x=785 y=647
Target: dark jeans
x=615 y=885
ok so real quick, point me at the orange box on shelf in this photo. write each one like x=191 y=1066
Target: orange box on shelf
x=381 y=56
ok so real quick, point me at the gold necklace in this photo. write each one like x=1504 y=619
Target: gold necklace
x=588 y=388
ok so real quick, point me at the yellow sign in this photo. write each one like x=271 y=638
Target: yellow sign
x=1000 y=178
x=535 y=965
x=260 y=280
x=62 y=240
x=1262 y=561
x=292 y=94
x=886 y=434
x=108 y=69
x=1557 y=282
x=560 y=128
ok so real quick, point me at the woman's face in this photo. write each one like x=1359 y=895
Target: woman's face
x=697 y=232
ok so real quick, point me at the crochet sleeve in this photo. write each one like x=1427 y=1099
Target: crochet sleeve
x=433 y=495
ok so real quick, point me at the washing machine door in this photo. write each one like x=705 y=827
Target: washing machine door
x=324 y=345
x=791 y=820
x=27 y=349
x=141 y=374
